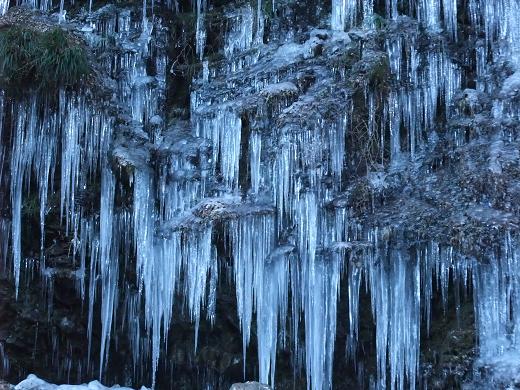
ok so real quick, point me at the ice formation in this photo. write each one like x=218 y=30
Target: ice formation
x=290 y=263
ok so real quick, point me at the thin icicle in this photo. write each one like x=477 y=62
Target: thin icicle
x=200 y=30
x=108 y=262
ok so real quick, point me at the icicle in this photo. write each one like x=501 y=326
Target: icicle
x=255 y=147
x=428 y=12
x=205 y=71
x=93 y=272
x=148 y=264
x=391 y=9
x=395 y=290
x=3 y=148
x=44 y=163
x=496 y=284
x=345 y=14
x=340 y=13
x=212 y=294
x=252 y=241
x=224 y=128
x=271 y=303
x=70 y=157
x=395 y=127
x=306 y=215
x=4 y=6
x=320 y=293
x=145 y=19
x=240 y=38
x=353 y=285
x=108 y=262
x=5 y=229
x=200 y=30
x=416 y=108
x=336 y=139
x=259 y=34
x=4 y=362
x=22 y=152
x=449 y=8
x=143 y=226
x=62 y=17
x=368 y=13
x=199 y=259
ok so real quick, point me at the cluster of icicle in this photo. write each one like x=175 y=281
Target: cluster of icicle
x=292 y=286
x=498 y=17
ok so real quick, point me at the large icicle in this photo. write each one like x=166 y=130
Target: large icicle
x=320 y=293
x=394 y=281
x=252 y=241
x=199 y=263
x=497 y=314
x=271 y=304
x=108 y=262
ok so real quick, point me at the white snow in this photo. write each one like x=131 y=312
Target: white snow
x=34 y=383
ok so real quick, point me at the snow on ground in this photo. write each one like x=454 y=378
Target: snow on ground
x=34 y=383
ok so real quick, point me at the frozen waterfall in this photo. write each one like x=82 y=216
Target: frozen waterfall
x=287 y=179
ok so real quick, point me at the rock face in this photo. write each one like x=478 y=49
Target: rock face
x=308 y=194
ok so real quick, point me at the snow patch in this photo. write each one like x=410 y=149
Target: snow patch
x=34 y=383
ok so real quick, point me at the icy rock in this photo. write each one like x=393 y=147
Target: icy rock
x=156 y=120
x=24 y=16
x=130 y=156
x=511 y=86
x=289 y=53
x=215 y=209
x=281 y=89
x=499 y=372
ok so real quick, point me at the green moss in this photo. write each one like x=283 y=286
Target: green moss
x=40 y=60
